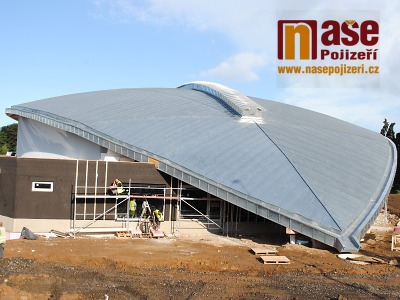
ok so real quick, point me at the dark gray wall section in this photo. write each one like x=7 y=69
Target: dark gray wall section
x=8 y=169
x=17 y=200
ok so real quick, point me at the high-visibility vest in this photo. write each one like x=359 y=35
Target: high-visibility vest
x=158 y=214
x=132 y=205
x=118 y=185
x=155 y=214
x=2 y=235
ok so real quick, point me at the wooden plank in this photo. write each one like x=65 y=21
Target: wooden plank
x=368 y=259
x=264 y=251
x=60 y=234
x=99 y=230
x=275 y=260
x=290 y=231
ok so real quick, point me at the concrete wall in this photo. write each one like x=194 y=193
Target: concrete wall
x=19 y=202
x=8 y=174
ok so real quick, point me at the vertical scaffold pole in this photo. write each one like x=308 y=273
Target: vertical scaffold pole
x=227 y=219
x=86 y=184
x=179 y=205
x=170 y=208
x=76 y=192
x=105 y=190
x=95 y=190
x=163 y=211
x=128 y=205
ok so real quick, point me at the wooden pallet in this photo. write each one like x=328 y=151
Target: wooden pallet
x=275 y=260
x=395 y=241
x=136 y=233
x=156 y=233
x=123 y=234
x=264 y=251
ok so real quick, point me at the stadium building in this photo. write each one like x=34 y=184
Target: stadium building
x=207 y=156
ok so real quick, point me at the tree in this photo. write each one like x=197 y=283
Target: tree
x=390 y=133
x=385 y=127
x=3 y=149
x=2 y=138
x=8 y=138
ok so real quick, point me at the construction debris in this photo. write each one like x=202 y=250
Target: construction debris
x=60 y=234
x=27 y=234
x=361 y=259
x=368 y=259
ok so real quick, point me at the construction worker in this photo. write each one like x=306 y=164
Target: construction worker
x=156 y=217
x=116 y=187
x=132 y=208
x=2 y=239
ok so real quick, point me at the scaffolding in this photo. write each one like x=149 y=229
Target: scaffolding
x=209 y=222
x=111 y=212
x=96 y=204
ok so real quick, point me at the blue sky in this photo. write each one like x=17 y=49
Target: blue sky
x=52 y=48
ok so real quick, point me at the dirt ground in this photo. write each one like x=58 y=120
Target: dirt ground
x=193 y=267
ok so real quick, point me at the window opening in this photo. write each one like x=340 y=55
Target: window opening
x=42 y=186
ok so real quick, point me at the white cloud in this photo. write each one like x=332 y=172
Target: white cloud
x=364 y=107
x=241 y=66
x=219 y=16
x=251 y=27
x=121 y=11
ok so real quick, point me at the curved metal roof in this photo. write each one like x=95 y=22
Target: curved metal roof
x=320 y=176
